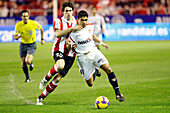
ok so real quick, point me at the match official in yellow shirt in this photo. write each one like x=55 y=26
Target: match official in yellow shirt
x=25 y=30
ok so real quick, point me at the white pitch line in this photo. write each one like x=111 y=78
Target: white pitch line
x=15 y=92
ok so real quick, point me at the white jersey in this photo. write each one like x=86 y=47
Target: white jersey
x=83 y=39
x=98 y=22
x=59 y=43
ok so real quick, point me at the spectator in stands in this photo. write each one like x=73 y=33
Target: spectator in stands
x=140 y=10
x=132 y=8
x=161 y=9
x=45 y=4
x=4 y=9
x=84 y=7
x=126 y=9
x=113 y=10
x=105 y=7
x=168 y=10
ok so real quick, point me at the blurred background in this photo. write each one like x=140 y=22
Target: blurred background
x=140 y=16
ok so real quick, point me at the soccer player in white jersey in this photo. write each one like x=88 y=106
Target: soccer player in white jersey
x=88 y=56
x=99 y=24
x=63 y=57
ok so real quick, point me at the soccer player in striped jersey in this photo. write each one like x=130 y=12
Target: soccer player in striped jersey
x=64 y=58
x=89 y=57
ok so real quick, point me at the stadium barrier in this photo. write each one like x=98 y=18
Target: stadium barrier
x=45 y=20
x=114 y=32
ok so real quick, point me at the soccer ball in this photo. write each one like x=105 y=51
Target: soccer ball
x=101 y=102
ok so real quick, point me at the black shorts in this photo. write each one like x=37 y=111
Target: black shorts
x=68 y=61
x=25 y=49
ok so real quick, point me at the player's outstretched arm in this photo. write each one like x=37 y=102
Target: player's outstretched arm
x=59 y=33
x=100 y=42
x=42 y=39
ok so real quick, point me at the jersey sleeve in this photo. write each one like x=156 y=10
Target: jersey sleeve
x=103 y=24
x=37 y=25
x=57 y=24
x=17 y=29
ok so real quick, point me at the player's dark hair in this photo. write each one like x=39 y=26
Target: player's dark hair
x=82 y=13
x=67 y=4
x=24 y=11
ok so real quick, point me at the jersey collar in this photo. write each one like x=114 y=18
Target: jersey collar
x=28 y=21
x=65 y=20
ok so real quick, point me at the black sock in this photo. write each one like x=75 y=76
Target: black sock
x=47 y=78
x=94 y=74
x=25 y=69
x=113 y=82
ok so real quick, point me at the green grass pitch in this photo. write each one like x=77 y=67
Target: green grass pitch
x=142 y=69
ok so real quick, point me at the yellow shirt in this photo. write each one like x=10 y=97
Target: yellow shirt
x=27 y=31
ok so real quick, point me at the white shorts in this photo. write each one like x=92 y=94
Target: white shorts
x=88 y=62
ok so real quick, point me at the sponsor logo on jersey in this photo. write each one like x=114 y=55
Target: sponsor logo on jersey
x=84 y=41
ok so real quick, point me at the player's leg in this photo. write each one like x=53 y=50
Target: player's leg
x=87 y=69
x=90 y=81
x=54 y=83
x=25 y=69
x=30 y=55
x=54 y=70
x=60 y=63
x=99 y=36
x=113 y=81
x=49 y=88
x=23 y=53
x=28 y=60
x=97 y=73
x=102 y=62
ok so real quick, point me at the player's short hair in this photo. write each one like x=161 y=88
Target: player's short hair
x=82 y=13
x=24 y=11
x=67 y=4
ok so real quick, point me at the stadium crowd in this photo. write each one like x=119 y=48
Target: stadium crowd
x=106 y=7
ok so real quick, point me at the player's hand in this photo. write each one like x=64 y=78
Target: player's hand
x=16 y=37
x=68 y=44
x=42 y=42
x=75 y=28
x=68 y=41
x=106 y=46
x=74 y=46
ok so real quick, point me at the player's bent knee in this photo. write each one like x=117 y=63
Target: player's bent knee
x=60 y=64
x=109 y=69
x=28 y=61
x=60 y=67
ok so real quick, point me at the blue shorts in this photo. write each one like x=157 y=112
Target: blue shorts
x=25 y=49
